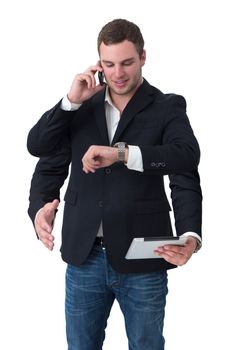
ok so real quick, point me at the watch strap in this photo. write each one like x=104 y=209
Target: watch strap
x=121 y=146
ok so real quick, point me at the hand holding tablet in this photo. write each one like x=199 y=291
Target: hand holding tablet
x=145 y=247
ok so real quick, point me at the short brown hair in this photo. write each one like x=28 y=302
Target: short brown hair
x=119 y=30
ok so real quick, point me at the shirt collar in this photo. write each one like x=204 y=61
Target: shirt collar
x=108 y=98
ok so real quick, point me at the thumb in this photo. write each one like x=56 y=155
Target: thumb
x=50 y=209
x=55 y=204
x=50 y=212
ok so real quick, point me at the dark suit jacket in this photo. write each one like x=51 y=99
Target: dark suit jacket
x=129 y=203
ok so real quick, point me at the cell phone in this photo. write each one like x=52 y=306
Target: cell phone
x=101 y=77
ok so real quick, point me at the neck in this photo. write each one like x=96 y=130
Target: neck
x=120 y=101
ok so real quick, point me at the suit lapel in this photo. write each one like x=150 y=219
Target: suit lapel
x=142 y=98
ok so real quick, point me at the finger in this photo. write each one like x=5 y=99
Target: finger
x=87 y=78
x=174 y=248
x=48 y=244
x=168 y=252
x=94 y=69
x=44 y=235
x=173 y=254
x=183 y=251
x=88 y=169
x=46 y=238
x=91 y=161
x=89 y=164
x=178 y=259
x=90 y=72
x=93 y=165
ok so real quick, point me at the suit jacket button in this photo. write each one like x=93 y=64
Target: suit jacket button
x=108 y=171
x=101 y=204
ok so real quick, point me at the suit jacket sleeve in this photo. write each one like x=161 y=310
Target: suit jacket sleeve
x=186 y=197
x=178 y=150
x=48 y=177
x=48 y=133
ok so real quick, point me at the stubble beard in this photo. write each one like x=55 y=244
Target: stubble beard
x=129 y=89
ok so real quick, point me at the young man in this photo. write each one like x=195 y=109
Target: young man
x=120 y=138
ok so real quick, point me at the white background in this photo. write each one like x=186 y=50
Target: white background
x=189 y=51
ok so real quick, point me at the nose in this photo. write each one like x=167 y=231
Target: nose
x=118 y=71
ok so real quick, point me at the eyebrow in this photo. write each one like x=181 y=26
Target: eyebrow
x=131 y=59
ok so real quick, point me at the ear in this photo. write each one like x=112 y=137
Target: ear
x=143 y=58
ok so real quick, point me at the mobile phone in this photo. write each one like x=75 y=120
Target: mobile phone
x=101 y=77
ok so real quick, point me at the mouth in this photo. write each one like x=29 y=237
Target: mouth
x=120 y=83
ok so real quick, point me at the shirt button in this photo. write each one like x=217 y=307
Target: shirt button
x=108 y=171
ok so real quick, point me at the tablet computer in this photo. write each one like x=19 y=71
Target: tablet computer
x=144 y=247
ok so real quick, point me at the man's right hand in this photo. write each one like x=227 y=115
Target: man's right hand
x=84 y=85
x=44 y=221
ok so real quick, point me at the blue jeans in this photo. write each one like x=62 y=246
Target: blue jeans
x=90 y=292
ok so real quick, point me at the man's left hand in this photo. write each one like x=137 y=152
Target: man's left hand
x=178 y=255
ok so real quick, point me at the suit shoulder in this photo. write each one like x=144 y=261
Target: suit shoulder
x=169 y=102
x=170 y=98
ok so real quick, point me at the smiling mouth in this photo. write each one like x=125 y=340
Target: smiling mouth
x=120 y=82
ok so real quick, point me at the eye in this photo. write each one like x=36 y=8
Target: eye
x=109 y=65
x=127 y=63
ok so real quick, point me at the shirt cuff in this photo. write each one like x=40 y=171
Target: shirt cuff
x=66 y=105
x=195 y=235
x=135 y=159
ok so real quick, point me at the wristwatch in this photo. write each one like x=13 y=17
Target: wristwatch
x=121 y=146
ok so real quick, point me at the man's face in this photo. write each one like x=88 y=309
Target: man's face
x=122 y=67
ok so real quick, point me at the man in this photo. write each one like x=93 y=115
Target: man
x=120 y=138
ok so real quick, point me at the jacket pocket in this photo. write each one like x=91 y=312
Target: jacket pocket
x=152 y=218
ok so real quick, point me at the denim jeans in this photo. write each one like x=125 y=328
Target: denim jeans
x=90 y=292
